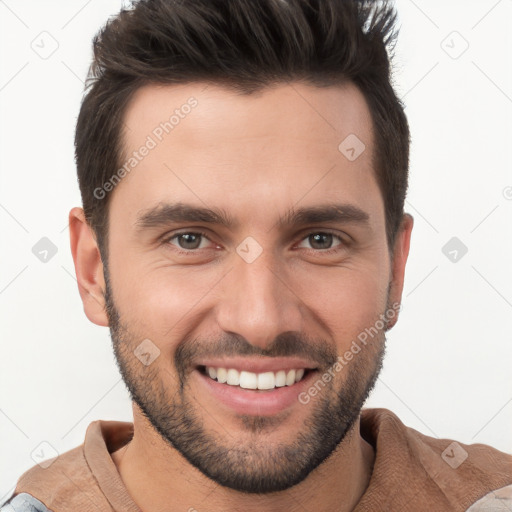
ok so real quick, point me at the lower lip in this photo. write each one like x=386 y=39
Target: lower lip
x=255 y=402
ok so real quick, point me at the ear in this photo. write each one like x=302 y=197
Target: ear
x=88 y=267
x=400 y=254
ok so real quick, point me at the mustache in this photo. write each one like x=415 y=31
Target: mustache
x=287 y=344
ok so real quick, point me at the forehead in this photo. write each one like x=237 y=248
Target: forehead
x=205 y=144
x=323 y=114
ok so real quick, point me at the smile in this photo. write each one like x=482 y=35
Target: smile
x=250 y=380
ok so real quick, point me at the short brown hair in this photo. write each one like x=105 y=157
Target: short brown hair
x=245 y=45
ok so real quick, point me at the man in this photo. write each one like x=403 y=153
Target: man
x=243 y=168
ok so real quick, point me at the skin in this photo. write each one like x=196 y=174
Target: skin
x=255 y=157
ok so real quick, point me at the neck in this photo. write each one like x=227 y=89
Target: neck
x=155 y=474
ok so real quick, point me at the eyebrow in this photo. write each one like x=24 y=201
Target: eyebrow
x=165 y=214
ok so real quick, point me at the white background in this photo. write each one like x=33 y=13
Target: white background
x=447 y=372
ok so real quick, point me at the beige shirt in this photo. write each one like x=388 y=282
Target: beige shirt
x=411 y=472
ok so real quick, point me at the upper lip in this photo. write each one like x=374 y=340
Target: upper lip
x=259 y=365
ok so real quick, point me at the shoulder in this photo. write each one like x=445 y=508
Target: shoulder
x=56 y=477
x=24 y=502
x=471 y=461
x=74 y=479
x=58 y=481
x=461 y=476
x=500 y=499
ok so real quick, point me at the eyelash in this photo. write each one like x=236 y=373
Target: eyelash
x=190 y=252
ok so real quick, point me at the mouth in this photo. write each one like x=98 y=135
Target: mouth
x=265 y=393
x=263 y=381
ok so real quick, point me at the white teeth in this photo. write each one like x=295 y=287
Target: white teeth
x=250 y=380
x=280 y=379
x=290 y=378
x=233 y=378
x=222 y=375
x=266 y=380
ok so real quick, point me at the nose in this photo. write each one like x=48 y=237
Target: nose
x=257 y=301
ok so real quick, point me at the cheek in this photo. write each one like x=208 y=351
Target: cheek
x=160 y=302
x=346 y=301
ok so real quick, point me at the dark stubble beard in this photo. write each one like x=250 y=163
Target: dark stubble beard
x=256 y=466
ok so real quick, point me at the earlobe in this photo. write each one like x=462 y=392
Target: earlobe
x=400 y=254
x=88 y=267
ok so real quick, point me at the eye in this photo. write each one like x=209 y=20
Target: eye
x=188 y=241
x=322 y=241
x=193 y=241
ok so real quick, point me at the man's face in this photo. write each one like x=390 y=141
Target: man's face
x=269 y=293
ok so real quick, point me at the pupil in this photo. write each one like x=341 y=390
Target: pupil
x=189 y=238
x=318 y=238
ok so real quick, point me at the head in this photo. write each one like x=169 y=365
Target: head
x=243 y=168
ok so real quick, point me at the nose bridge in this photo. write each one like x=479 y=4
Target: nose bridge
x=257 y=302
